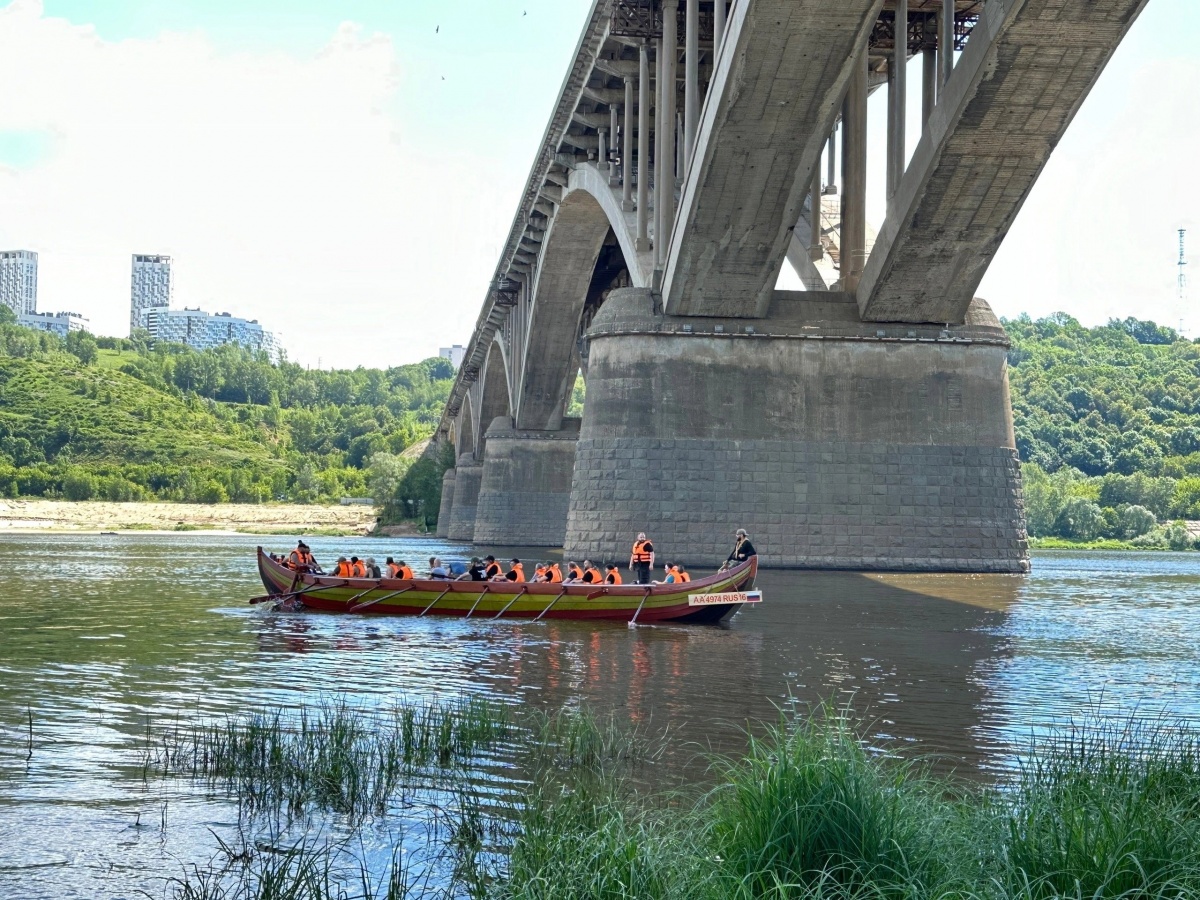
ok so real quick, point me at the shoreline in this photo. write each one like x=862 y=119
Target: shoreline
x=40 y=516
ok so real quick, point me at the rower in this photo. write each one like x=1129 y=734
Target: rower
x=393 y=569
x=682 y=573
x=492 y=569
x=475 y=571
x=591 y=575
x=516 y=571
x=372 y=570
x=574 y=573
x=437 y=569
x=357 y=568
x=613 y=576
x=641 y=560
x=539 y=572
x=342 y=569
x=554 y=574
x=742 y=548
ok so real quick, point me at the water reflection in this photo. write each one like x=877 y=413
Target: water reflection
x=135 y=630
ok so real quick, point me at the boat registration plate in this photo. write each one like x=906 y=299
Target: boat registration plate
x=726 y=597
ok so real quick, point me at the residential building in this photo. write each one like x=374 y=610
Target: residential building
x=455 y=354
x=202 y=331
x=62 y=323
x=18 y=280
x=150 y=286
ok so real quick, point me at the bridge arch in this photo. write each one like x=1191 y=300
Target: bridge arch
x=464 y=437
x=495 y=396
x=588 y=249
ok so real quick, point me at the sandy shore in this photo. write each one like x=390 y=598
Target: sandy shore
x=222 y=518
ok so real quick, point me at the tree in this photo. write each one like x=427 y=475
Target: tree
x=1134 y=521
x=385 y=472
x=7 y=316
x=83 y=347
x=1080 y=519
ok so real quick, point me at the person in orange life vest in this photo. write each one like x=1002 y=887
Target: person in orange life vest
x=554 y=574
x=516 y=572
x=671 y=573
x=641 y=560
x=405 y=573
x=342 y=569
x=682 y=573
x=392 y=567
x=574 y=573
x=300 y=559
x=358 y=568
x=539 y=572
x=493 y=569
x=613 y=576
x=591 y=575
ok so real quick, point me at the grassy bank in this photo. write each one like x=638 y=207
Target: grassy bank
x=808 y=811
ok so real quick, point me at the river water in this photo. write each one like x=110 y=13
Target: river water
x=103 y=637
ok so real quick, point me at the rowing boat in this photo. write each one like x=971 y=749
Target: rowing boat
x=704 y=600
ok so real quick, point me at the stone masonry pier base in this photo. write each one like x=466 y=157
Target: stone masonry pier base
x=526 y=485
x=467 y=475
x=447 y=505
x=836 y=443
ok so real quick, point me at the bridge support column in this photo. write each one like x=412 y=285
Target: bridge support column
x=627 y=150
x=838 y=444
x=446 y=508
x=467 y=475
x=643 y=149
x=852 y=257
x=526 y=485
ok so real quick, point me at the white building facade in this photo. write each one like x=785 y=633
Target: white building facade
x=18 y=280
x=455 y=354
x=151 y=286
x=62 y=323
x=203 y=331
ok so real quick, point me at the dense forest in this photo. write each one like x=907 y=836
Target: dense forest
x=1108 y=428
x=117 y=419
x=1107 y=422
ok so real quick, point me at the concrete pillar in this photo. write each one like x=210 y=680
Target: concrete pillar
x=661 y=127
x=526 y=485
x=467 y=475
x=945 y=43
x=897 y=101
x=691 y=82
x=815 y=251
x=614 y=148
x=643 y=151
x=680 y=148
x=602 y=151
x=627 y=151
x=718 y=27
x=831 y=181
x=446 y=507
x=851 y=452
x=928 y=85
x=670 y=70
x=853 y=250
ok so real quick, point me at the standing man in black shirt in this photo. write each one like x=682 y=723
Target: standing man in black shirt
x=742 y=549
x=641 y=560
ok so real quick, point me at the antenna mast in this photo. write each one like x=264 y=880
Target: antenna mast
x=1182 y=280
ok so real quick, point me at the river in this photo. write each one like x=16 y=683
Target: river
x=101 y=637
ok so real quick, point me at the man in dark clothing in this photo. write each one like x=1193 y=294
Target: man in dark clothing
x=742 y=549
x=641 y=560
x=475 y=571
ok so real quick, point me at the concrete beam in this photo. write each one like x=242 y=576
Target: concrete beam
x=772 y=102
x=1023 y=75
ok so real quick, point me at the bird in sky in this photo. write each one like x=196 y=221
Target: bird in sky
x=437 y=29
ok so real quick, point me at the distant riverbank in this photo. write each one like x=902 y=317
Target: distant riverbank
x=219 y=518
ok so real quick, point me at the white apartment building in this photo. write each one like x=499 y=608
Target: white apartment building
x=150 y=286
x=18 y=280
x=455 y=354
x=62 y=323
x=202 y=331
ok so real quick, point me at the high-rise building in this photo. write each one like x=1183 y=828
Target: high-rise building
x=202 y=331
x=150 y=286
x=60 y=323
x=18 y=280
x=455 y=354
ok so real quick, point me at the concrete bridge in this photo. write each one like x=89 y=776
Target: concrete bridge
x=861 y=423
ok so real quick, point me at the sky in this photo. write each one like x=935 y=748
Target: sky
x=346 y=172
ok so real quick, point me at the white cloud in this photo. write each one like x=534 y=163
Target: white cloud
x=282 y=186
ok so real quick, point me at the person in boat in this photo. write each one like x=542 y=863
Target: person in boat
x=516 y=572
x=372 y=569
x=591 y=575
x=613 y=576
x=669 y=573
x=574 y=573
x=301 y=559
x=539 y=572
x=399 y=570
x=492 y=569
x=342 y=569
x=641 y=560
x=742 y=549
x=554 y=574
x=681 y=573
x=358 y=569
x=437 y=569
x=474 y=571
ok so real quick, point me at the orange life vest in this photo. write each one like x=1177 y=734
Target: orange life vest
x=519 y=571
x=342 y=570
x=596 y=576
x=393 y=570
x=640 y=553
x=555 y=574
x=405 y=574
x=295 y=560
x=540 y=574
x=358 y=569
x=683 y=576
x=492 y=570
x=614 y=577
x=574 y=572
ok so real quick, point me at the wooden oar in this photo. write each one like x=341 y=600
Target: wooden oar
x=552 y=602
x=477 y=599
x=316 y=587
x=645 y=597
x=435 y=600
x=523 y=589
x=378 y=599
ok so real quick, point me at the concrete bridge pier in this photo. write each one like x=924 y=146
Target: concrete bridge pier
x=446 y=507
x=467 y=475
x=526 y=485
x=837 y=443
